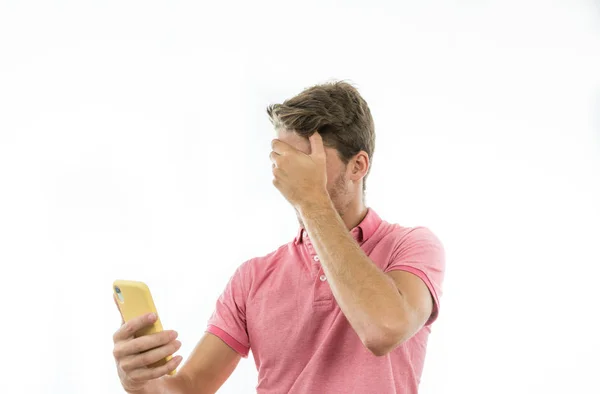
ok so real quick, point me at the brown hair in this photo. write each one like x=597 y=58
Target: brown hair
x=337 y=111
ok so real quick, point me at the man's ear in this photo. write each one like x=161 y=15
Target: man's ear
x=359 y=166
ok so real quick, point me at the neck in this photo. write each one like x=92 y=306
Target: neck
x=354 y=213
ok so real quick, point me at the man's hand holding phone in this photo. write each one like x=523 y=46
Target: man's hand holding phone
x=135 y=355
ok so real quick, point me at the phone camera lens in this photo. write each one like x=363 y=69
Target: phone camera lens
x=117 y=290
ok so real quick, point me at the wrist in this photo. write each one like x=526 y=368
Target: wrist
x=144 y=388
x=316 y=203
x=138 y=390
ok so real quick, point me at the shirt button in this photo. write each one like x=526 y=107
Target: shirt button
x=316 y=258
x=323 y=278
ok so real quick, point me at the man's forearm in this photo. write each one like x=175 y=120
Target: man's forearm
x=164 y=385
x=368 y=298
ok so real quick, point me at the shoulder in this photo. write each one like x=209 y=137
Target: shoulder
x=420 y=247
x=393 y=232
x=403 y=236
x=404 y=242
x=418 y=234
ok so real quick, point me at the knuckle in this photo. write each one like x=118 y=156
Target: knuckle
x=160 y=337
x=165 y=351
x=117 y=335
x=145 y=343
x=135 y=376
x=141 y=360
x=125 y=366
x=129 y=329
x=138 y=345
x=146 y=359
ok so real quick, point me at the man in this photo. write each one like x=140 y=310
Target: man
x=346 y=307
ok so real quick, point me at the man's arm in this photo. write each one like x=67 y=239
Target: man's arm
x=383 y=309
x=211 y=363
x=208 y=367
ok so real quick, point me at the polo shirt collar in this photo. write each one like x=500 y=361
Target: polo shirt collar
x=360 y=233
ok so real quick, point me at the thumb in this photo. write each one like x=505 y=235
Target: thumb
x=317 y=150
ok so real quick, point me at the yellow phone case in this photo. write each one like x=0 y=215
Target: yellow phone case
x=136 y=300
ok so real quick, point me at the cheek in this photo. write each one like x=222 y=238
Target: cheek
x=335 y=175
x=335 y=169
x=332 y=175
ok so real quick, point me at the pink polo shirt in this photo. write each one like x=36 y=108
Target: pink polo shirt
x=281 y=306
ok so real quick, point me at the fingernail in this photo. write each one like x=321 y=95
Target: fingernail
x=174 y=335
x=151 y=317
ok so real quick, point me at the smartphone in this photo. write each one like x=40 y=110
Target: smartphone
x=134 y=299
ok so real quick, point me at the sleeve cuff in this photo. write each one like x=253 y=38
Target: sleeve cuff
x=229 y=340
x=425 y=279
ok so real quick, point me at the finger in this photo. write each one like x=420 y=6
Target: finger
x=274 y=144
x=128 y=329
x=117 y=304
x=145 y=374
x=281 y=147
x=143 y=343
x=145 y=359
x=278 y=174
x=274 y=157
x=276 y=182
x=317 y=149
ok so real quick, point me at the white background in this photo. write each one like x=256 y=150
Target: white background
x=134 y=144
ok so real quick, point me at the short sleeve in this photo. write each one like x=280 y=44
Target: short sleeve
x=421 y=253
x=228 y=320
